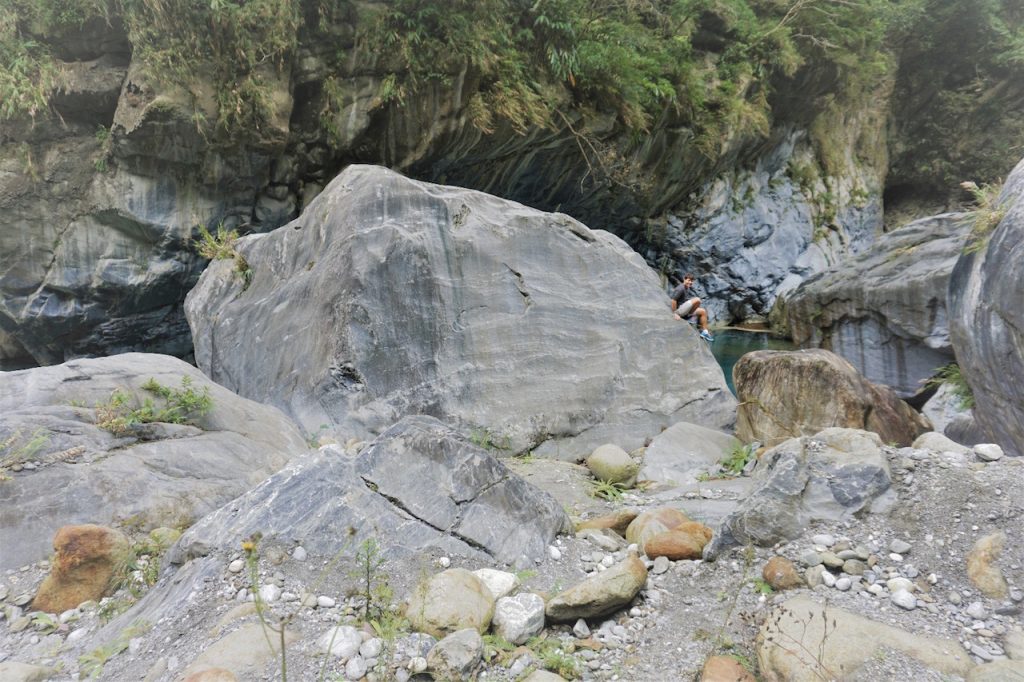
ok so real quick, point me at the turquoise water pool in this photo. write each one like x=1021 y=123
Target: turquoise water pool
x=731 y=344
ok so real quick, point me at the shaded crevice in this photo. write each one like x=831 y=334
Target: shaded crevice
x=395 y=502
x=520 y=285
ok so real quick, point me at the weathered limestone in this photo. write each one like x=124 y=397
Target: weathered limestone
x=397 y=297
x=419 y=485
x=987 y=321
x=157 y=475
x=884 y=310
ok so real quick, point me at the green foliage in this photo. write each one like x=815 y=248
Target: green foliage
x=180 y=406
x=761 y=586
x=951 y=374
x=222 y=246
x=732 y=465
x=92 y=663
x=552 y=656
x=606 y=490
x=17 y=449
x=985 y=217
x=488 y=440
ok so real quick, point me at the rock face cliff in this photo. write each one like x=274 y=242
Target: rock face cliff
x=986 y=302
x=389 y=297
x=884 y=310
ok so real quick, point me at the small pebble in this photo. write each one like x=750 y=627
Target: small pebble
x=325 y=602
x=236 y=566
x=661 y=564
x=904 y=600
x=444 y=562
x=299 y=554
x=554 y=552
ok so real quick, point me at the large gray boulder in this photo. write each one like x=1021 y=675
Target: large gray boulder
x=420 y=485
x=156 y=475
x=986 y=292
x=832 y=475
x=884 y=310
x=390 y=297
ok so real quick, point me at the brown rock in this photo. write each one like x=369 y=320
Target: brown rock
x=725 y=669
x=654 y=522
x=88 y=558
x=981 y=568
x=787 y=394
x=781 y=574
x=617 y=522
x=684 y=542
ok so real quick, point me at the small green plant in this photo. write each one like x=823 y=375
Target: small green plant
x=223 y=246
x=952 y=375
x=180 y=406
x=16 y=449
x=606 y=490
x=761 y=586
x=92 y=663
x=44 y=622
x=553 y=657
x=732 y=465
x=986 y=216
x=373 y=587
x=488 y=440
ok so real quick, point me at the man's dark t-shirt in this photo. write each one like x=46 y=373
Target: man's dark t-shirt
x=681 y=294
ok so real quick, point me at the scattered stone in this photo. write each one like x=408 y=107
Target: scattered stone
x=299 y=554
x=581 y=629
x=844 y=584
x=823 y=539
x=236 y=566
x=554 y=553
x=976 y=610
x=499 y=583
x=612 y=464
x=618 y=521
x=661 y=565
x=519 y=618
x=781 y=574
x=686 y=541
x=325 y=602
x=988 y=452
x=457 y=655
x=270 y=592
x=981 y=568
x=341 y=641
x=371 y=648
x=83 y=569
x=450 y=601
x=355 y=668
x=899 y=546
x=811 y=559
x=813 y=576
x=601 y=594
x=725 y=669
x=854 y=567
x=904 y=600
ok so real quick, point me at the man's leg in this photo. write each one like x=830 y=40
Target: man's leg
x=702 y=318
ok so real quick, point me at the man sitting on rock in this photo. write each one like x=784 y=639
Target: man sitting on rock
x=686 y=305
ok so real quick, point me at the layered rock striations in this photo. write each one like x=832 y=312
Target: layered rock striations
x=884 y=310
x=986 y=302
x=390 y=297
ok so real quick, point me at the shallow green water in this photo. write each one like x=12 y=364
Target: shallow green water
x=730 y=344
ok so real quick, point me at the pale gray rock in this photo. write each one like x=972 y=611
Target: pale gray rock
x=433 y=299
x=341 y=641
x=456 y=656
x=987 y=322
x=904 y=599
x=937 y=442
x=159 y=474
x=796 y=645
x=948 y=416
x=449 y=602
x=884 y=309
x=500 y=583
x=611 y=463
x=519 y=618
x=833 y=475
x=989 y=452
x=419 y=485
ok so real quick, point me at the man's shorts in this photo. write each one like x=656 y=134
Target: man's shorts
x=686 y=309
